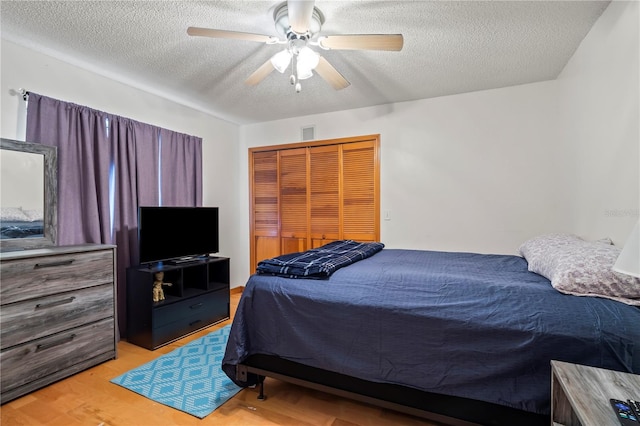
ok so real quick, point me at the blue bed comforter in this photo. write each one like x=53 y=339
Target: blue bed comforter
x=21 y=229
x=471 y=325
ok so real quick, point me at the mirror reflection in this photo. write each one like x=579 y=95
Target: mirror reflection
x=21 y=194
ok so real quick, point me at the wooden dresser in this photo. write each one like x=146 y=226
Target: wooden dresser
x=57 y=314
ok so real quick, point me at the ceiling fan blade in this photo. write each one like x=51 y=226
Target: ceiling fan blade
x=260 y=74
x=300 y=13
x=331 y=75
x=209 y=32
x=362 y=42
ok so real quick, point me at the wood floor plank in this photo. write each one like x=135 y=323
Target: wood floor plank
x=89 y=398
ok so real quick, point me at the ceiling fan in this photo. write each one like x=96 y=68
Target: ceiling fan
x=299 y=22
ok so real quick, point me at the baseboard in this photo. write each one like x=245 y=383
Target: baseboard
x=235 y=290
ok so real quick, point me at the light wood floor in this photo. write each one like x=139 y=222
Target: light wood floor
x=88 y=398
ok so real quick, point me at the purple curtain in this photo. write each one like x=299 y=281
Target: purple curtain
x=84 y=158
x=181 y=165
x=107 y=167
x=134 y=147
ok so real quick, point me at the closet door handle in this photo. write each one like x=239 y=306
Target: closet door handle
x=53 y=264
x=55 y=343
x=56 y=303
x=196 y=306
x=191 y=324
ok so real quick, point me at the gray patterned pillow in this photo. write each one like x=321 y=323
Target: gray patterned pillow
x=34 y=214
x=579 y=267
x=13 y=214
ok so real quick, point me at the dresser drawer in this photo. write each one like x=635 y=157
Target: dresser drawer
x=203 y=306
x=35 y=318
x=40 y=358
x=41 y=276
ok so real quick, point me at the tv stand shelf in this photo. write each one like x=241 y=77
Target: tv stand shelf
x=196 y=295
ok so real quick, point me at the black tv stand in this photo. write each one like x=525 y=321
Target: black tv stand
x=198 y=297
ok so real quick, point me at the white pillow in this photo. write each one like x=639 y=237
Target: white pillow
x=579 y=267
x=34 y=214
x=12 y=214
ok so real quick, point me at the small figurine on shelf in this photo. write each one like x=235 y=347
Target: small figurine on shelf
x=158 y=292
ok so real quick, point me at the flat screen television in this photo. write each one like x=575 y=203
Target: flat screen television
x=176 y=233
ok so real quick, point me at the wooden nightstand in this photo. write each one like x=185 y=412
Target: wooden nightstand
x=580 y=394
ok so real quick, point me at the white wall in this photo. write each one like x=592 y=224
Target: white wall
x=484 y=171
x=33 y=71
x=457 y=173
x=599 y=101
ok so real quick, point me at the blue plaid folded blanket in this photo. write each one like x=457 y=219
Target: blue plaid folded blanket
x=318 y=263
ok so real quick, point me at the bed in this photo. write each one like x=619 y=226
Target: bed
x=460 y=338
x=16 y=222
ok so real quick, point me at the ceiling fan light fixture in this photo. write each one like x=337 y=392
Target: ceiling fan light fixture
x=307 y=61
x=304 y=73
x=299 y=22
x=281 y=60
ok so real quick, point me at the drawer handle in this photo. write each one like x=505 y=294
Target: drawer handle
x=53 y=344
x=56 y=303
x=191 y=324
x=196 y=306
x=53 y=264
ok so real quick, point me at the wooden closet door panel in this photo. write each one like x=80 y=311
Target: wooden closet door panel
x=265 y=241
x=265 y=248
x=319 y=242
x=324 y=194
x=293 y=200
x=360 y=185
x=265 y=193
x=292 y=244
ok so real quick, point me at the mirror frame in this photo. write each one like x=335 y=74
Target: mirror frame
x=50 y=197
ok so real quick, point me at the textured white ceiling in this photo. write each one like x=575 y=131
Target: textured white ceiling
x=449 y=47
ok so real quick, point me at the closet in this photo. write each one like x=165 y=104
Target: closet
x=307 y=194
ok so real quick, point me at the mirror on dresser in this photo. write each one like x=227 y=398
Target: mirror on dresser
x=28 y=195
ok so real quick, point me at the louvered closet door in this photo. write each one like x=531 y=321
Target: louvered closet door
x=293 y=200
x=264 y=193
x=361 y=211
x=324 y=194
x=308 y=194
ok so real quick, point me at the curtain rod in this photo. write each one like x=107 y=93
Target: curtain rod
x=24 y=93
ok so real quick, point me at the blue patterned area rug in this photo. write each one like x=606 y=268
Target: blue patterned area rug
x=189 y=378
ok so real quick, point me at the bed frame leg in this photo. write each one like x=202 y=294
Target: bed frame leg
x=261 y=396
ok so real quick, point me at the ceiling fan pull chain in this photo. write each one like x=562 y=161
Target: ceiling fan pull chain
x=296 y=78
x=292 y=77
